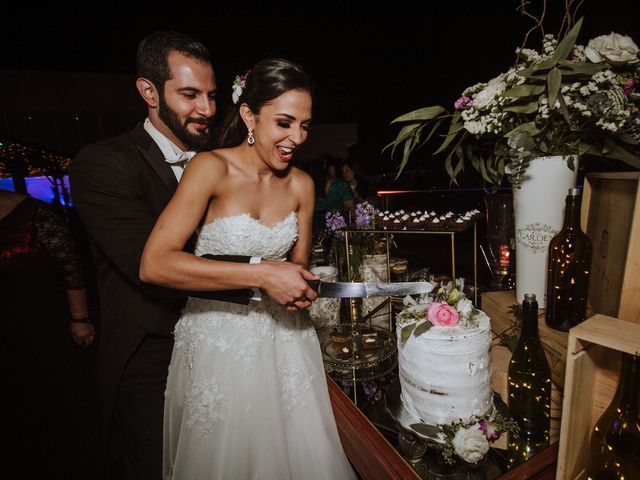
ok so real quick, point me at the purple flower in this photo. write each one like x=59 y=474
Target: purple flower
x=364 y=215
x=335 y=222
x=489 y=431
x=628 y=87
x=369 y=388
x=463 y=102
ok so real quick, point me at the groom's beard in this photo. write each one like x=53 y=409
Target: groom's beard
x=194 y=141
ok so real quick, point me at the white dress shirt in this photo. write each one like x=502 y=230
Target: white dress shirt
x=172 y=153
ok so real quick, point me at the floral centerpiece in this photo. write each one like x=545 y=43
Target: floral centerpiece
x=360 y=243
x=565 y=99
x=467 y=440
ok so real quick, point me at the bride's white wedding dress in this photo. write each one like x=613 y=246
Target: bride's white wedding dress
x=246 y=393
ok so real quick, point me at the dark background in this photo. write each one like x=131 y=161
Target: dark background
x=369 y=65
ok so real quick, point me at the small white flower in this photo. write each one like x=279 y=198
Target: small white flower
x=238 y=87
x=237 y=92
x=470 y=444
x=465 y=307
x=496 y=86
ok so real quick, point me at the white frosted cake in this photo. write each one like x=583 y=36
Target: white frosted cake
x=444 y=366
x=445 y=373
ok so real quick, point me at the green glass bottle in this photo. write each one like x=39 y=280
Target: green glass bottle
x=568 y=269
x=529 y=389
x=614 y=448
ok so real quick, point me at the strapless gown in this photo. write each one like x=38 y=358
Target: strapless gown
x=246 y=394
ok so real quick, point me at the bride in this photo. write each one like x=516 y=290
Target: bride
x=246 y=394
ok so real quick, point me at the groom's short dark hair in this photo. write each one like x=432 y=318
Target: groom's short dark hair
x=153 y=53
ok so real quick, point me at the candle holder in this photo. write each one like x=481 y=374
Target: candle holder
x=500 y=236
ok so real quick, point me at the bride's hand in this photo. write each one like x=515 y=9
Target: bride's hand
x=285 y=283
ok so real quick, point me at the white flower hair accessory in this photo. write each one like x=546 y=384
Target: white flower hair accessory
x=238 y=87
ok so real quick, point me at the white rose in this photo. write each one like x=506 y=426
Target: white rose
x=483 y=98
x=237 y=92
x=470 y=444
x=464 y=306
x=614 y=48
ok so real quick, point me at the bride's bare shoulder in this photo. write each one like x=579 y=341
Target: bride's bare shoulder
x=212 y=161
x=300 y=178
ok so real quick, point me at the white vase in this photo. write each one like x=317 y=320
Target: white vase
x=539 y=213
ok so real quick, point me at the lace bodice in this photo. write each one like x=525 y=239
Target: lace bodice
x=244 y=235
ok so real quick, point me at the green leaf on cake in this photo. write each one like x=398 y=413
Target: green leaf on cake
x=426 y=429
x=509 y=341
x=422 y=328
x=406 y=332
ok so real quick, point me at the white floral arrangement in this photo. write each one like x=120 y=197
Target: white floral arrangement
x=238 y=86
x=449 y=308
x=469 y=441
x=564 y=99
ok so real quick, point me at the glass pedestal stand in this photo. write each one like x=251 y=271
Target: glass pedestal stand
x=450 y=232
x=358 y=352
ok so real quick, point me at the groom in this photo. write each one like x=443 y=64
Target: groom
x=120 y=186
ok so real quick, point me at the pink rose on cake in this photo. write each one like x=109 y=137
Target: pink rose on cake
x=441 y=314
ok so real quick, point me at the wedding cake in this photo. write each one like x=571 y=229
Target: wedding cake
x=445 y=373
x=444 y=366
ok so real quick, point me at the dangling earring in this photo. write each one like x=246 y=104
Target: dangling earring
x=250 y=139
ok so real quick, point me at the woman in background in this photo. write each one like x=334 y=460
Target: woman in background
x=333 y=192
x=359 y=184
x=44 y=318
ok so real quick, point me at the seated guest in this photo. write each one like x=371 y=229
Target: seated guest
x=359 y=184
x=333 y=193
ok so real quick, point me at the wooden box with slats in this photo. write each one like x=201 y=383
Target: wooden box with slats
x=593 y=365
x=611 y=219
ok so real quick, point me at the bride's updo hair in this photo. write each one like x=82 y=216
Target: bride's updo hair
x=266 y=81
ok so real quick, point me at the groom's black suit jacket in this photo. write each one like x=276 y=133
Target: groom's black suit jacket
x=119 y=187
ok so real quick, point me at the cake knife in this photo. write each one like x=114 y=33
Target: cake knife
x=368 y=289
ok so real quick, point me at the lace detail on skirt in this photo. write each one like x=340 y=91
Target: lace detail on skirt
x=246 y=393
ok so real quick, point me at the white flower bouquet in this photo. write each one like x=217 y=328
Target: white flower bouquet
x=567 y=99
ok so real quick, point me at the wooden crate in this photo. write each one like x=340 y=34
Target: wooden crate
x=593 y=364
x=611 y=218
